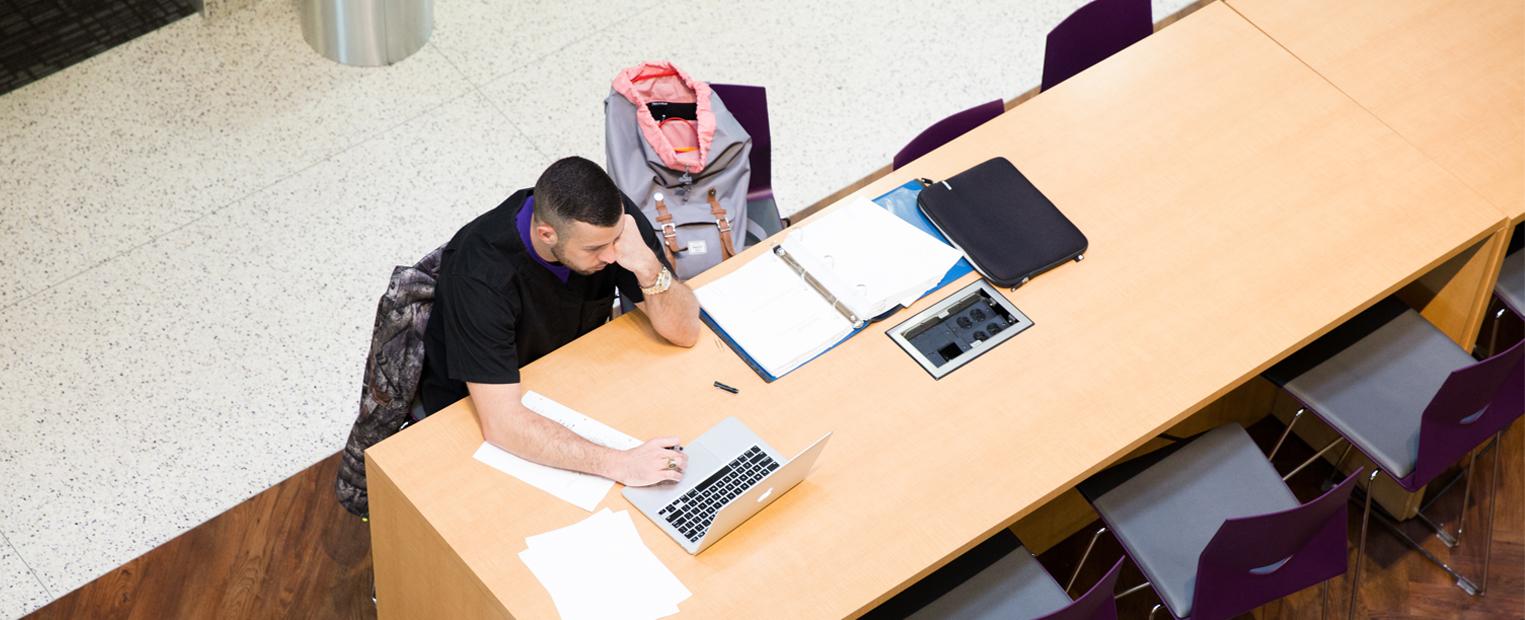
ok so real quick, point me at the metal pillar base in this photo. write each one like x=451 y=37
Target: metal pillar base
x=367 y=33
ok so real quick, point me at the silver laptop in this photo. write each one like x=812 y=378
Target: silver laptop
x=732 y=474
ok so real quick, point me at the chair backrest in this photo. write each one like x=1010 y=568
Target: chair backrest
x=947 y=129
x=1091 y=34
x=1475 y=402
x=1097 y=603
x=749 y=104
x=1253 y=560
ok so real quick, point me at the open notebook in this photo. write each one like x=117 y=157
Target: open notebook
x=823 y=282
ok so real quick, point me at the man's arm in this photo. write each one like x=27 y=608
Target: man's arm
x=674 y=313
x=507 y=424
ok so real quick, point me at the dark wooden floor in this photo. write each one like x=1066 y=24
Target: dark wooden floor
x=291 y=551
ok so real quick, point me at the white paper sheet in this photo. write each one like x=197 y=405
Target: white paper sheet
x=582 y=490
x=871 y=259
x=600 y=568
x=779 y=319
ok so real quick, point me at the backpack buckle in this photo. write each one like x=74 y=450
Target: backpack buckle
x=670 y=232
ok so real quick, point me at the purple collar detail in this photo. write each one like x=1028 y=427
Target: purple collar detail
x=557 y=269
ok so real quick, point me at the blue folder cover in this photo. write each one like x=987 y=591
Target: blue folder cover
x=900 y=201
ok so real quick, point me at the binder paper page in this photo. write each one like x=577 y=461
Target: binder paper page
x=869 y=258
x=582 y=490
x=773 y=314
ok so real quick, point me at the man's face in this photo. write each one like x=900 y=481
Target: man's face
x=582 y=247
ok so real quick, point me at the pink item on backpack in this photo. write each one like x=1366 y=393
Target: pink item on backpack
x=681 y=144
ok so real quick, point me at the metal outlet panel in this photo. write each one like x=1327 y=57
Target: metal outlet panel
x=954 y=331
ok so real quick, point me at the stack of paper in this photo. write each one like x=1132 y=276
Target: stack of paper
x=582 y=490
x=599 y=568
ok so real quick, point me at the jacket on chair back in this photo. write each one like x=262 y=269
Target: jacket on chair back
x=392 y=370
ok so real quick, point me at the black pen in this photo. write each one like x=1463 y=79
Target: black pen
x=727 y=388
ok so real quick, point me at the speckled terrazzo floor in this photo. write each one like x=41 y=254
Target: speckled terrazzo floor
x=194 y=226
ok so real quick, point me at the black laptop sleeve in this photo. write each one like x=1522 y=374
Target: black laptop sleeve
x=1005 y=226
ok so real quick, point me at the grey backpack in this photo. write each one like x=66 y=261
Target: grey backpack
x=675 y=150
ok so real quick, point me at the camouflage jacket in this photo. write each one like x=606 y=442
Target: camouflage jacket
x=392 y=370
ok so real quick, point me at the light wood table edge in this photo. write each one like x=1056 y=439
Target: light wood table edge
x=1454 y=291
x=407 y=559
x=1495 y=248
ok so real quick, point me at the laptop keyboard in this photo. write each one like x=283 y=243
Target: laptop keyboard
x=692 y=513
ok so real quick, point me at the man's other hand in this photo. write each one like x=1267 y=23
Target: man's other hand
x=635 y=256
x=648 y=463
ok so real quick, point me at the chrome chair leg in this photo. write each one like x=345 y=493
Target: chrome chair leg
x=1462 y=582
x=1355 y=577
x=1467 y=585
x=1493 y=501
x=1083 y=557
x=1320 y=454
x=1493 y=340
x=1466 y=498
x=1339 y=466
x=1448 y=539
x=1131 y=590
x=1284 y=433
x=1156 y=609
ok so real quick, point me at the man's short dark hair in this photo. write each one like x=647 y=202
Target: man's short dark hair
x=577 y=189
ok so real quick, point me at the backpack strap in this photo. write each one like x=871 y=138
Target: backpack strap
x=727 y=247
x=669 y=231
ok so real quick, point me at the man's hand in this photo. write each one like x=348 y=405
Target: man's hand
x=635 y=255
x=646 y=464
x=674 y=313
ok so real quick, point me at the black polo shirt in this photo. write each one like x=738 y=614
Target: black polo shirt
x=497 y=309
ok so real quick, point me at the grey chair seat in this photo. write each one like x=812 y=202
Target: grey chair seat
x=1511 y=285
x=1166 y=515
x=1015 y=587
x=1374 y=391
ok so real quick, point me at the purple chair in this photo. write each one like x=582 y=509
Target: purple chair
x=1091 y=34
x=1217 y=532
x=749 y=104
x=1016 y=587
x=1412 y=401
x=946 y=130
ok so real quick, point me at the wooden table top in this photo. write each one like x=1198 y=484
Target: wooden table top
x=1237 y=207
x=1448 y=75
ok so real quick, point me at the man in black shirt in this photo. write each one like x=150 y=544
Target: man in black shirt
x=534 y=274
